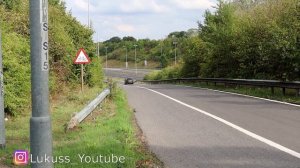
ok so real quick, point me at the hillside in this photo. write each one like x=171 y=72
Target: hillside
x=160 y=51
x=66 y=36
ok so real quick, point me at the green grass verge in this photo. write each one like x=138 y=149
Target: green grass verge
x=112 y=133
x=290 y=96
x=110 y=130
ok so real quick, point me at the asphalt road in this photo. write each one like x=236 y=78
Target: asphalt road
x=182 y=135
x=126 y=73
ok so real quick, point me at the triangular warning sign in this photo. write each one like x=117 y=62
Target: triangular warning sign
x=82 y=57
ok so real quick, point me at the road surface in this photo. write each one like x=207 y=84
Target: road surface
x=199 y=128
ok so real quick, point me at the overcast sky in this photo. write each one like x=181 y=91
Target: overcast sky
x=153 y=19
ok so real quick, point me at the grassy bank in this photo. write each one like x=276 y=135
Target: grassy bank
x=290 y=96
x=110 y=130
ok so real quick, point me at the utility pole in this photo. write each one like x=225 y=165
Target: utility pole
x=88 y=13
x=2 y=120
x=82 y=66
x=135 y=58
x=40 y=122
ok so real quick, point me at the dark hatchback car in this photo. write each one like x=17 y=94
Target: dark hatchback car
x=128 y=81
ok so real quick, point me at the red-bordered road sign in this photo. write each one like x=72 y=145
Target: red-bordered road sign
x=82 y=57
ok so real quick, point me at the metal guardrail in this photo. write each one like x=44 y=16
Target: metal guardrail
x=238 y=82
x=79 y=117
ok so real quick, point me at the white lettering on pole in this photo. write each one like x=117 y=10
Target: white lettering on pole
x=44 y=32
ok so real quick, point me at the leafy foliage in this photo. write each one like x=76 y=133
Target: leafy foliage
x=169 y=72
x=162 y=51
x=66 y=36
x=256 y=39
x=10 y=4
x=193 y=51
x=94 y=73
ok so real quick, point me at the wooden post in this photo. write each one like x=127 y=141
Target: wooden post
x=297 y=92
x=283 y=91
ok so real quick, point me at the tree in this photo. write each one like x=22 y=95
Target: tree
x=218 y=31
x=194 y=51
x=114 y=40
x=129 y=38
x=181 y=34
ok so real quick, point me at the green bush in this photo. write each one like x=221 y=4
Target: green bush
x=252 y=40
x=244 y=39
x=167 y=73
x=66 y=36
x=16 y=72
x=94 y=73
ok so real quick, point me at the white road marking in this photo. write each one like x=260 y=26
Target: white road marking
x=251 y=134
x=238 y=94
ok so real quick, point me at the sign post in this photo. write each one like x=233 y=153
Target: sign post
x=82 y=58
x=82 y=80
x=2 y=121
x=40 y=122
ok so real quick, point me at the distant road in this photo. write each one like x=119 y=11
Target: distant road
x=195 y=128
x=125 y=73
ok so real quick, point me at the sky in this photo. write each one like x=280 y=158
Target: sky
x=153 y=19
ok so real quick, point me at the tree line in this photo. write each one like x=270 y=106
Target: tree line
x=161 y=51
x=250 y=39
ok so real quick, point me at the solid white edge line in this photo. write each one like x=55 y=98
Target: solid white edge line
x=238 y=94
x=249 y=133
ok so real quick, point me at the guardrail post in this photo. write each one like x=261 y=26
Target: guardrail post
x=283 y=91
x=297 y=92
x=272 y=90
